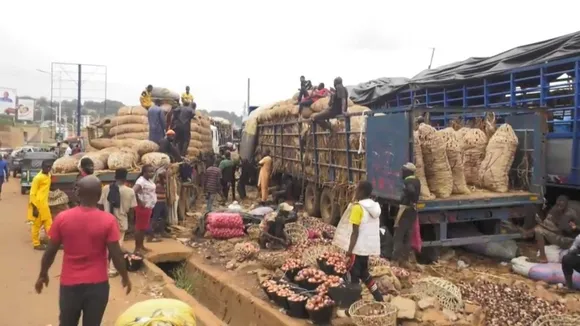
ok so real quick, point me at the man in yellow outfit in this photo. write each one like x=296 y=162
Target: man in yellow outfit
x=187 y=97
x=38 y=210
x=145 y=98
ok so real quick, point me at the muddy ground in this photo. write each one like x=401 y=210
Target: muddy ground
x=480 y=272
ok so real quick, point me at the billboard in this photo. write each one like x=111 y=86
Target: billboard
x=25 y=110
x=7 y=101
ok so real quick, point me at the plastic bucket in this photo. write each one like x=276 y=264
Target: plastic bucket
x=322 y=316
x=297 y=309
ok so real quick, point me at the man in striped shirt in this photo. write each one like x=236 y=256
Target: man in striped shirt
x=212 y=184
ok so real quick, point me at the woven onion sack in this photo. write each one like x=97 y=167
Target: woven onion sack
x=437 y=169
x=127 y=128
x=357 y=123
x=101 y=143
x=146 y=146
x=157 y=160
x=499 y=156
x=133 y=135
x=474 y=143
x=124 y=158
x=132 y=110
x=99 y=160
x=193 y=152
x=128 y=119
x=306 y=113
x=420 y=168
x=322 y=104
x=454 y=151
x=65 y=164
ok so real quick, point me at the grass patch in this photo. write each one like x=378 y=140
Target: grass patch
x=186 y=280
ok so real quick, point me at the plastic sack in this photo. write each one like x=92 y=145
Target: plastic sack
x=261 y=211
x=550 y=273
x=416 y=241
x=157 y=312
x=235 y=207
x=343 y=230
x=225 y=220
x=554 y=253
x=507 y=249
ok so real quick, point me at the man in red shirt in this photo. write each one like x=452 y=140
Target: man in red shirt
x=84 y=283
x=317 y=94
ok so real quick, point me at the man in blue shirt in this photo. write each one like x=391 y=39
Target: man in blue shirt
x=3 y=172
x=156 y=118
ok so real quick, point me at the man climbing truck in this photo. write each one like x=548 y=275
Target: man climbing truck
x=327 y=164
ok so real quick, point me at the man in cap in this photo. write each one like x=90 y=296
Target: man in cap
x=407 y=213
x=167 y=146
x=273 y=234
x=338 y=105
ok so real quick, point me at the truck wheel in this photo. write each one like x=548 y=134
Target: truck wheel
x=312 y=200
x=329 y=210
x=428 y=255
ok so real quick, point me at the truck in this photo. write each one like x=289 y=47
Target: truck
x=387 y=145
x=528 y=76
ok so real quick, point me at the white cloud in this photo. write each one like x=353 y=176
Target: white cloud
x=213 y=46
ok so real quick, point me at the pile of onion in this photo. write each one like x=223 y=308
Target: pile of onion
x=318 y=302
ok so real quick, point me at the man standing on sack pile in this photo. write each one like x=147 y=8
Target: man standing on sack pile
x=186 y=97
x=338 y=105
x=145 y=98
x=305 y=86
x=156 y=119
x=407 y=214
x=181 y=124
x=167 y=146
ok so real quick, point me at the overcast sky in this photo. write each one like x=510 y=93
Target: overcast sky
x=214 y=46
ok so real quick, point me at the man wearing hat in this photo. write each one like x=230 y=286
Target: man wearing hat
x=273 y=234
x=407 y=213
x=167 y=146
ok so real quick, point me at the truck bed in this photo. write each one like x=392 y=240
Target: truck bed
x=479 y=198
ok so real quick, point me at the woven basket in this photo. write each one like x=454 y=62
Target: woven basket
x=296 y=232
x=272 y=260
x=373 y=313
x=241 y=255
x=310 y=256
x=557 y=320
x=448 y=295
x=254 y=232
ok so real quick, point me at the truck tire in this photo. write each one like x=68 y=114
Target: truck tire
x=329 y=210
x=312 y=200
x=428 y=255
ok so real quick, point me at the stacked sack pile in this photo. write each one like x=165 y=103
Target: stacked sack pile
x=478 y=156
x=201 y=139
x=111 y=154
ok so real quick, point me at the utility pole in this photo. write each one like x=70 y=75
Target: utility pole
x=248 y=99
x=432 y=55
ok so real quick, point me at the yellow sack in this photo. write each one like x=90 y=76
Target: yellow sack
x=158 y=312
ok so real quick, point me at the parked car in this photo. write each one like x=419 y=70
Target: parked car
x=16 y=158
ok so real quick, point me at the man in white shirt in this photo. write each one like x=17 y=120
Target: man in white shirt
x=119 y=200
x=68 y=151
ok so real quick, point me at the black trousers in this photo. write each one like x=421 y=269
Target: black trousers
x=402 y=236
x=322 y=117
x=88 y=299
x=359 y=271
x=305 y=103
x=226 y=185
x=303 y=93
x=570 y=263
x=182 y=139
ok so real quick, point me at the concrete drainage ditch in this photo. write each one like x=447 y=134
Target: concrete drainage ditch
x=215 y=300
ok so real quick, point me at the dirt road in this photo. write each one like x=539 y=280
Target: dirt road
x=20 y=267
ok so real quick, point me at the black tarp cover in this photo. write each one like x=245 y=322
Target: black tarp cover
x=523 y=56
x=374 y=90
x=557 y=48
